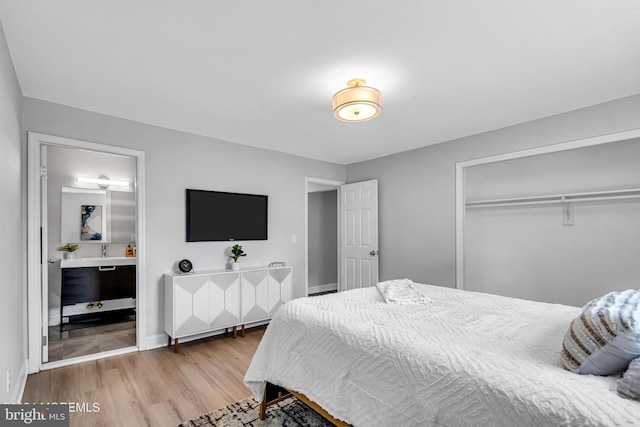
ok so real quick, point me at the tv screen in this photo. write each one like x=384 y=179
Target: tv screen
x=214 y=216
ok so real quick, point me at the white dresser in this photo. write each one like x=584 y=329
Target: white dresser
x=205 y=301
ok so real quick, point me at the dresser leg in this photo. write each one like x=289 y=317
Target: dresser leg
x=175 y=346
x=242 y=333
x=235 y=331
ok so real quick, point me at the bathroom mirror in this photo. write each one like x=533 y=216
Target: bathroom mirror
x=96 y=216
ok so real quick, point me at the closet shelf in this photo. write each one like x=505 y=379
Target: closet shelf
x=595 y=196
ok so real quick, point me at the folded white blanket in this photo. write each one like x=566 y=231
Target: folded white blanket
x=401 y=291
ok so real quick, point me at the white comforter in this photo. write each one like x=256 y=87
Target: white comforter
x=466 y=359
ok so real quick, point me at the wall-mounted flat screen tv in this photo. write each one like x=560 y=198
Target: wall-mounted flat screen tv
x=214 y=216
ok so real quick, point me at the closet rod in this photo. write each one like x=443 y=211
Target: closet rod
x=558 y=199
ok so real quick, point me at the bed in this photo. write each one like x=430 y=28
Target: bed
x=465 y=358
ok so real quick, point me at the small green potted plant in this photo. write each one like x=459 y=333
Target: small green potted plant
x=237 y=252
x=69 y=250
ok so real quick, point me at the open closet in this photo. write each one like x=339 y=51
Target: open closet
x=560 y=227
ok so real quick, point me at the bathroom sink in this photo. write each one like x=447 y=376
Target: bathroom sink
x=97 y=261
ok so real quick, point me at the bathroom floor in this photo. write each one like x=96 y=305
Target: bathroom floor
x=89 y=336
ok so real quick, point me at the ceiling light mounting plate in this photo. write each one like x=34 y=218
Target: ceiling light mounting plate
x=356 y=82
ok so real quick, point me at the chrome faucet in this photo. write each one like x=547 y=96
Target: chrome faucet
x=104 y=250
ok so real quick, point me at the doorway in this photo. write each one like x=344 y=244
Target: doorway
x=81 y=320
x=322 y=233
x=348 y=212
x=88 y=303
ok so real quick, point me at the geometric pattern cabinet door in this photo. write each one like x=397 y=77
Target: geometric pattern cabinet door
x=280 y=288
x=255 y=296
x=224 y=300
x=191 y=300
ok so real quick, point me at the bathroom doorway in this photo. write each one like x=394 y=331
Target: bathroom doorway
x=91 y=290
x=88 y=218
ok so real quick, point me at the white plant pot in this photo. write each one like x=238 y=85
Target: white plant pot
x=68 y=255
x=235 y=266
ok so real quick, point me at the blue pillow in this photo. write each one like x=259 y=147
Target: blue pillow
x=606 y=336
x=629 y=384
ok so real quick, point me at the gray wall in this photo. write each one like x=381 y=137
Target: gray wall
x=13 y=313
x=417 y=188
x=176 y=161
x=527 y=252
x=323 y=238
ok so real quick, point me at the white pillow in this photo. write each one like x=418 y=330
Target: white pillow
x=606 y=336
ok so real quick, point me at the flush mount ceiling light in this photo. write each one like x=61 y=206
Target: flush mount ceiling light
x=102 y=181
x=357 y=102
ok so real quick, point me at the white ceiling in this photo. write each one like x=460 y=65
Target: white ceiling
x=262 y=73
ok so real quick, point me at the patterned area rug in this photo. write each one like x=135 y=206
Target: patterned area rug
x=289 y=412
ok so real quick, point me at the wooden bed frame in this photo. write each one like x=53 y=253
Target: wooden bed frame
x=274 y=393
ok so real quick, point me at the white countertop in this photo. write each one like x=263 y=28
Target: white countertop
x=225 y=270
x=97 y=261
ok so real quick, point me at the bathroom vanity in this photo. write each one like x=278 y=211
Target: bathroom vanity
x=94 y=285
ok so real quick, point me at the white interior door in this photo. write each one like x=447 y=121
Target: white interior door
x=44 y=255
x=358 y=235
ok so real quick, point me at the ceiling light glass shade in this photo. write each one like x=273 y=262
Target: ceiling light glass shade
x=357 y=102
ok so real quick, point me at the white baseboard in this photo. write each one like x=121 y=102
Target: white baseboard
x=160 y=340
x=21 y=382
x=156 y=341
x=323 y=288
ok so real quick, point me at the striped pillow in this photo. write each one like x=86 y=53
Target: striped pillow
x=606 y=336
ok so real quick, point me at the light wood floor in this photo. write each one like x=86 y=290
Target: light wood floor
x=89 y=338
x=152 y=388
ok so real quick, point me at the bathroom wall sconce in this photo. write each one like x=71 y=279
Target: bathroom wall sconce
x=102 y=181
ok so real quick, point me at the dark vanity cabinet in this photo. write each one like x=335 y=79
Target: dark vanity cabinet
x=97 y=287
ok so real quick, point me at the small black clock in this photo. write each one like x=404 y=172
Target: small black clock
x=185 y=266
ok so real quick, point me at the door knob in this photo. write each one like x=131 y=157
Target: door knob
x=373 y=253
